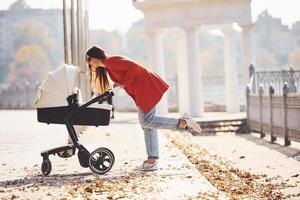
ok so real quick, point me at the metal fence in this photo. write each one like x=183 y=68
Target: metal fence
x=276 y=79
x=273 y=110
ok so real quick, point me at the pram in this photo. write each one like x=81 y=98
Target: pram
x=58 y=101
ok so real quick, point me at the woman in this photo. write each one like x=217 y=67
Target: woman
x=146 y=88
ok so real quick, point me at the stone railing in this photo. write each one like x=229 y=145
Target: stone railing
x=273 y=111
x=18 y=96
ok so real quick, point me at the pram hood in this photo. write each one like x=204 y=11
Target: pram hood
x=58 y=85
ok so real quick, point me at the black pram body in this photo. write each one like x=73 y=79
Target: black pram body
x=89 y=116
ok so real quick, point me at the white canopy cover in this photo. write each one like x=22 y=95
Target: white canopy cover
x=58 y=85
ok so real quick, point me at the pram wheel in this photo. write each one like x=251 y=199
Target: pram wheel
x=46 y=167
x=101 y=160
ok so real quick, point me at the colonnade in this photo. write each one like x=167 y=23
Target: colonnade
x=190 y=89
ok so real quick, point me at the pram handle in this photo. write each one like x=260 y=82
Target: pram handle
x=101 y=97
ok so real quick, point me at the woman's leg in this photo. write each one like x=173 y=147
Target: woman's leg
x=151 y=121
x=151 y=142
x=152 y=146
x=150 y=135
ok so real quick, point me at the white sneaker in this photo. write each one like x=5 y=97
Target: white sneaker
x=147 y=166
x=297 y=158
x=191 y=125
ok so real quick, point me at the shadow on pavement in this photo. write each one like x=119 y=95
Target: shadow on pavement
x=286 y=150
x=58 y=180
x=53 y=180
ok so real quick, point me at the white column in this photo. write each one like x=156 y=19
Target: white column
x=158 y=65
x=196 y=107
x=182 y=74
x=82 y=79
x=66 y=43
x=73 y=35
x=80 y=36
x=231 y=75
x=86 y=44
x=247 y=51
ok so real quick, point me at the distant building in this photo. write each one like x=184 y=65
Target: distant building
x=296 y=34
x=18 y=13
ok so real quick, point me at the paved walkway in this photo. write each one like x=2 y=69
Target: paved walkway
x=22 y=139
x=251 y=153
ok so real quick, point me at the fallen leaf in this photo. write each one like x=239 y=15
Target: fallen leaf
x=295 y=175
x=13 y=196
x=88 y=189
x=72 y=193
x=150 y=189
x=134 y=187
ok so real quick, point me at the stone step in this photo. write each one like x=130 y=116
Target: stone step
x=218 y=126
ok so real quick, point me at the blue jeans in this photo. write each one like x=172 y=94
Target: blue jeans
x=150 y=123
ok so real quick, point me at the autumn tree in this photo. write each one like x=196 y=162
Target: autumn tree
x=30 y=63
x=137 y=43
x=110 y=41
x=294 y=59
x=32 y=32
x=272 y=42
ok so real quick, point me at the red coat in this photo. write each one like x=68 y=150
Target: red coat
x=144 y=86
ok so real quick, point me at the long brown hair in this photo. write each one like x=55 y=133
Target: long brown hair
x=98 y=77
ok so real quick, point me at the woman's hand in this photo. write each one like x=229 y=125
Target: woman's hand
x=118 y=85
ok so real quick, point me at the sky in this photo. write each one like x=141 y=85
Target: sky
x=104 y=14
